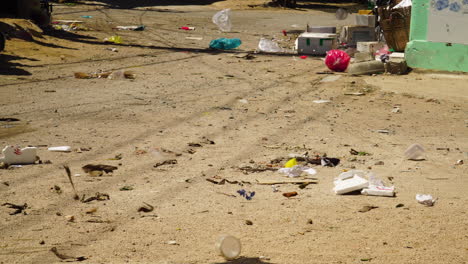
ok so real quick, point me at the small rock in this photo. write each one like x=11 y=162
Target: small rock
x=379 y=163
x=310 y=221
x=42 y=242
x=399 y=205
x=70 y=218
x=248 y=222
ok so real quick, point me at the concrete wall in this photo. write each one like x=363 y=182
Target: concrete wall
x=439 y=35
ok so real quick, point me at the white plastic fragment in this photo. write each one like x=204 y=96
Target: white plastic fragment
x=404 y=3
x=16 y=155
x=297 y=170
x=321 y=101
x=414 y=152
x=425 y=199
x=266 y=45
x=379 y=191
x=60 y=149
x=172 y=242
x=350 y=185
x=222 y=20
x=228 y=246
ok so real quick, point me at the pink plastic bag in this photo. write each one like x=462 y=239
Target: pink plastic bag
x=337 y=60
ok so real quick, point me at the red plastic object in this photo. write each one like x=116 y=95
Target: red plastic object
x=185 y=28
x=285 y=33
x=303 y=57
x=337 y=60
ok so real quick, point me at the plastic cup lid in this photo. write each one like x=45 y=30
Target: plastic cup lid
x=229 y=247
x=341 y=14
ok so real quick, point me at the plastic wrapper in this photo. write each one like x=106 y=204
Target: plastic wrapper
x=337 y=60
x=223 y=20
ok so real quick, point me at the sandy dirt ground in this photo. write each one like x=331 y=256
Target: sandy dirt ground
x=240 y=112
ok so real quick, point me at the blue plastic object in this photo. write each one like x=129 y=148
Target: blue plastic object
x=225 y=43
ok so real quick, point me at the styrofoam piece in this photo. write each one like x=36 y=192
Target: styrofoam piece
x=414 y=152
x=365 y=20
x=297 y=170
x=425 y=199
x=349 y=185
x=379 y=191
x=369 y=46
x=315 y=43
x=228 y=246
x=16 y=155
x=350 y=174
x=321 y=101
x=60 y=149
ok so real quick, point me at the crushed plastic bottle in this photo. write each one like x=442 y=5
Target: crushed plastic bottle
x=266 y=45
x=225 y=43
x=223 y=20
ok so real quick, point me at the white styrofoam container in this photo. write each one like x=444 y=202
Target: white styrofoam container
x=379 y=191
x=315 y=43
x=369 y=46
x=16 y=155
x=365 y=20
x=349 y=185
x=321 y=29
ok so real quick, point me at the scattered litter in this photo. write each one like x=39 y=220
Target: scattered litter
x=414 y=152
x=194 y=38
x=290 y=194
x=257 y=168
x=328 y=162
x=367 y=208
x=166 y=162
x=68 y=172
x=383 y=131
x=266 y=45
x=350 y=181
x=146 y=208
x=355 y=94
x=331 y=78
x=459 y=162
x=70 y=218
x=396 y=109
x=18 y=208
x=225 y=43
x=291 y=163
x=337 y=60
x=321 y=101
x=16 y=155
x=244 y=101
x=98 y=167
x=65 y=257
x=114 y=39
x=223 y=181
x=172 y=242
x=106 y=75
x=309 y=181
x=126 y=188
x=247 y=56
x=248 y=195
x=341 y=13
x=303 y=57
x=425 y=199
x=359 y=153
x=60 y=149
x=248 y=222
x=87 y=16
x=69 y=25
x=222 y=20
x=228 y=246
x=112 y=49
x=187 y=28
x=134 y=28
x=377 y=188
x=297 y=170
x=97 y=197
x=275 y=188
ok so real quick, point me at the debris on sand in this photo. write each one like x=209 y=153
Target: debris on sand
x=166 y=162
x=89 y=168
x=367 y=208
x=290 y=194
x=18 y=208
x=146 y=208
x=98 y=197
x=66 y=257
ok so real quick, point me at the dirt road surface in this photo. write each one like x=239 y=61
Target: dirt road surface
x=241 y=112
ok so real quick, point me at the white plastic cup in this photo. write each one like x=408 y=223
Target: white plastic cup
x=228 y=246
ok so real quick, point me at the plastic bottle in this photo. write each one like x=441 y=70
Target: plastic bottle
x=225 y=43
x=228 y=246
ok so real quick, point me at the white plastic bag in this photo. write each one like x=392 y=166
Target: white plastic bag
x=425 y=199
x=267 y=45
x=222 y=20
x=297 y=170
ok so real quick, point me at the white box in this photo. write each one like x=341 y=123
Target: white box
x=315 y=43
x=351 y=35
x=349 y=185
x=370 y=46
x=365 y=20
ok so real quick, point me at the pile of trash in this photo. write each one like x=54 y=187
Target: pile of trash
x=355 y=180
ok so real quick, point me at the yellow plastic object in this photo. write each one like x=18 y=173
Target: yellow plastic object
x=365 y=12
x=115 y=39
x=291 y=163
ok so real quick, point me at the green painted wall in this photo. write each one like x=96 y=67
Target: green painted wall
x=421 y=53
